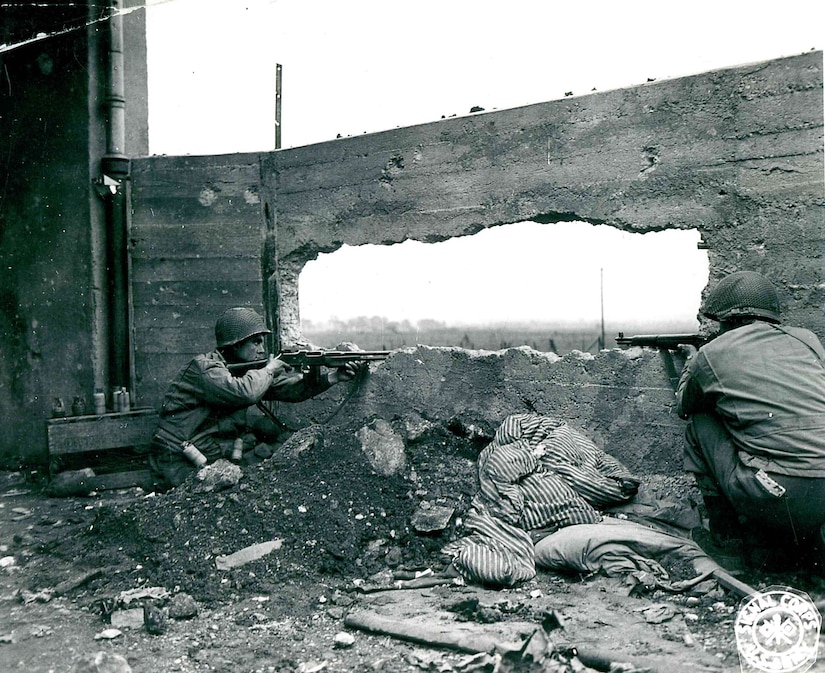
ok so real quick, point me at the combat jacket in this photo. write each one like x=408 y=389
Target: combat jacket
x=767 y=384
x=205 y=400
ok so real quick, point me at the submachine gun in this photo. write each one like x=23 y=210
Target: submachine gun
x=306 y=360
x=665 y=343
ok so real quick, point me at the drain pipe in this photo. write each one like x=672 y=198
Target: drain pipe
x=115 y=166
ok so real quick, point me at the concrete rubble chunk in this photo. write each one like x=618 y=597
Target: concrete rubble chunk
x=429 y=518
x=416 y=427
x=218 y=476
x=247 y=554
x=155 y=619
x=102 y=662
x=128 y=619
x=72 y=483
x=383 y=447
x=183 y=606
x=302 y=441
x=153 y=593
x=476 y=429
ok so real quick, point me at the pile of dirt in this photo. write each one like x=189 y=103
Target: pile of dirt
x=337 y=520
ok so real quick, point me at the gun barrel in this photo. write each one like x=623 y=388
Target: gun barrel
x=312 y=358
x=324 y=357
x=670 y=341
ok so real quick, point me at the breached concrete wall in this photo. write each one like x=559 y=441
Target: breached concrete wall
x=736 y=154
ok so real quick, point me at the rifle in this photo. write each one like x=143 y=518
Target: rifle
x=661 y=341
x=665 y=343
x=318 y=358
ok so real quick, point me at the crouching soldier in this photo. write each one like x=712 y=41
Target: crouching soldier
x=754 y=398
x=207 y=403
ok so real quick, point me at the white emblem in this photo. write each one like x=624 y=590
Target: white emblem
x=777 y=630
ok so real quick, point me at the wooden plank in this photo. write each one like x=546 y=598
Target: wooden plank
x=114 y=480
x=175 y=339
x=211 y=297
x=205 y=241
x=230 y=269
x=79 y=434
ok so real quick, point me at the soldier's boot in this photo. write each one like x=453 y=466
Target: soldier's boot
x=723 y=521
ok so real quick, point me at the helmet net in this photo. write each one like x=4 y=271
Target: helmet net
x=238 y=324
x=744 y=293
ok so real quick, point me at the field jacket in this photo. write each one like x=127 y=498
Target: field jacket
x=205 y=401
x=767 y=384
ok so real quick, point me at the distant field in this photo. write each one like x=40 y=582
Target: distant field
x=376 y=334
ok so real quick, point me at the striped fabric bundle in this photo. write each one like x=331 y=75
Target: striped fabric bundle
x=494 y=553
x=589 y=471
x=536 y=476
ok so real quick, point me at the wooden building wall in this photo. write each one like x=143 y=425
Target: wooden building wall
x=196 y=249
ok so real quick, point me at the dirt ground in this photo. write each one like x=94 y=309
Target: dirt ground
x=74 y=569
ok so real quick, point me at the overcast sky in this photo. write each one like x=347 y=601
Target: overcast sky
x=355 y=66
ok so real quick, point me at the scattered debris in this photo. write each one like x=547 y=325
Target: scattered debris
x=102 y=662
x=183 y=606
x=72 y=483
x=343 y=640
x=152 y=593
x=312 y=666
x=108 y=634
x=251 y=553
x=302 y=441
x=471 y=610
x=218 y=476
x=657 y=613
x=420 y=583
x=383 y=447
x=71 y=584
x=429 y=518
x=42 y=596
x=127 y=619
x=427 y=634
x=154 y=619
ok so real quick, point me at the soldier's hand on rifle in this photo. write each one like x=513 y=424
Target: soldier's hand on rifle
x=684 y=355
x=275 y=366
x=347 y=372
x=687 y=350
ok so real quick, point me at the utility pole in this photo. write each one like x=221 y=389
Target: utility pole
x=278 y=69
x=601 y=284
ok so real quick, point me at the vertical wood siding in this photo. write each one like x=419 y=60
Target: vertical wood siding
x=196 y=244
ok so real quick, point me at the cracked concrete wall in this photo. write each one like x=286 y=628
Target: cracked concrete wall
x=736 y=154
x=622 y=400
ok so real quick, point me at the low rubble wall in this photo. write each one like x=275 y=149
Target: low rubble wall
x=622 y=399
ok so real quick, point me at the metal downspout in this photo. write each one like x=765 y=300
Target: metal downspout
x=115 y=166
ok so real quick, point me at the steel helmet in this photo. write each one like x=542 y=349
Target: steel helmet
x=744 y=293
x=238 y=324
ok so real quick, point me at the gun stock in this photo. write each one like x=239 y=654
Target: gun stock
x=315 y=358
x=661 y=341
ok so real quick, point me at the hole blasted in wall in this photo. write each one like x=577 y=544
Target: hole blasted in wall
x=554 y=287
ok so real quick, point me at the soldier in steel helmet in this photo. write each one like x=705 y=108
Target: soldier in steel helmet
x=754 y=398
x=206 y=404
